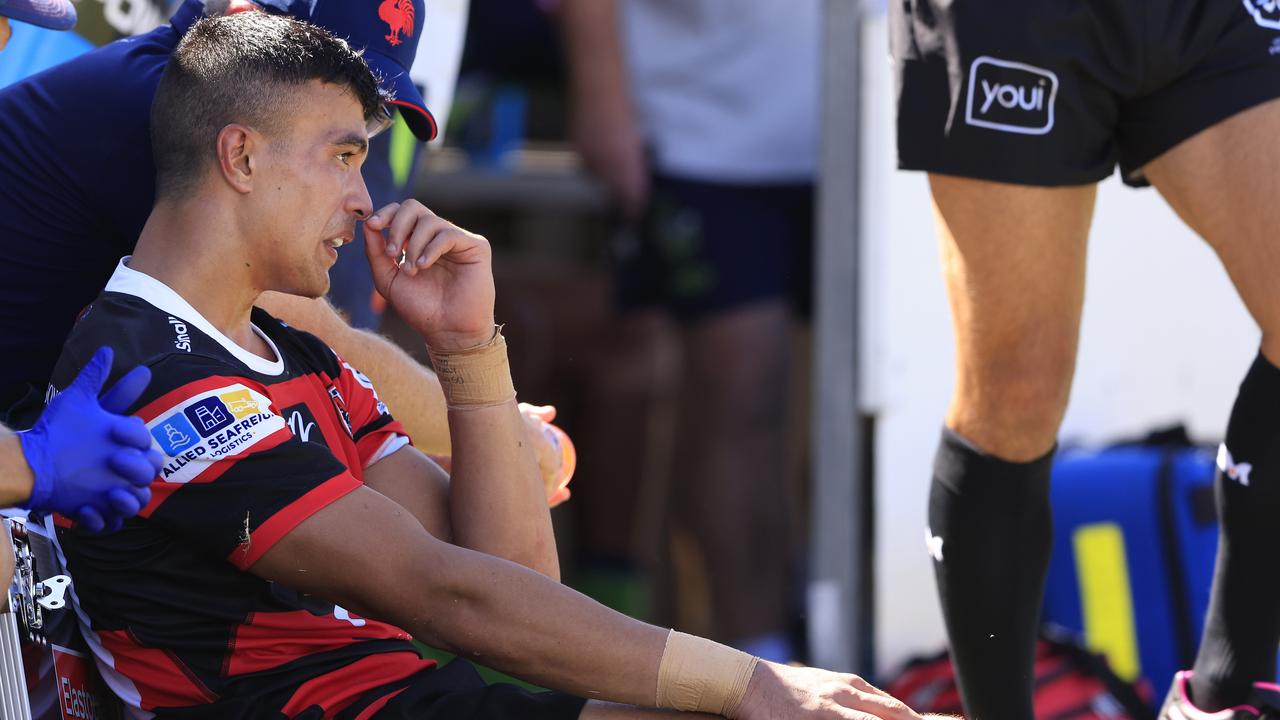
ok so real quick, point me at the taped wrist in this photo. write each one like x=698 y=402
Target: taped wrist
x=477 y=377
x=698 y=675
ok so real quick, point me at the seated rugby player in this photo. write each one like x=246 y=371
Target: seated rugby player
x=295 y=540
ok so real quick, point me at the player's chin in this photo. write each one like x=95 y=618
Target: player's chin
x=308 y=287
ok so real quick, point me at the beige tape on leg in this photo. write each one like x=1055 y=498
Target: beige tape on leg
x=477 y=377
x=698 y=675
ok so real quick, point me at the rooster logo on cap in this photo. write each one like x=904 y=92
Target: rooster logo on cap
x=398 y=15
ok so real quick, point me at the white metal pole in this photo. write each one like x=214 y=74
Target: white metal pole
x=837 y=553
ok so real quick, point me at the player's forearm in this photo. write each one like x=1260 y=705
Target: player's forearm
x=15 y=474
x=511 y=619
x=497 y=501
x=410 y=390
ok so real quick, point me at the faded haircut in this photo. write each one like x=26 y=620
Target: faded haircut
x=242 y=68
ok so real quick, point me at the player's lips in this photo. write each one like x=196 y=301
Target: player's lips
x=337 y=242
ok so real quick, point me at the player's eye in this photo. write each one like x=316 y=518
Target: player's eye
x=345 y=157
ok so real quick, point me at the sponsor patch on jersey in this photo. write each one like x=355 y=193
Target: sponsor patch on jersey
x=340 y=405
x=210 y=426
x=303 y=424
x=367 y=384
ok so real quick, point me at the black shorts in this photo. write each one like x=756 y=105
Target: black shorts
x=457 y=692
x=1057 y=92
x=704 y=248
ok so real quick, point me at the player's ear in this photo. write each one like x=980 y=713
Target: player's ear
x=237 y=145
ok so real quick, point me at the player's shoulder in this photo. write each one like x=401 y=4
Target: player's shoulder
x=140 y=333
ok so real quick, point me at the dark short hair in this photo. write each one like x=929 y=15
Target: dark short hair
x=240 y=69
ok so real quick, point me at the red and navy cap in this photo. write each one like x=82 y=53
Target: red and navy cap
x=52 y=14
x=388 y=32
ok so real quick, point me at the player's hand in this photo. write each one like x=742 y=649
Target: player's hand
x=779 y=692
x=556 y=455
x=88 y=461
x=438 y=276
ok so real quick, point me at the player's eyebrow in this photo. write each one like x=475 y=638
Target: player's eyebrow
x=360 y=142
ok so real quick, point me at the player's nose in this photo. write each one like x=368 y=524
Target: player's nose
x=358 y=201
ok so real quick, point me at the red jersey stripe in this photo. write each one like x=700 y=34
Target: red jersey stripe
x=161 y=490
x=161 y=679
x=270 y=532
x=336 y=691
x=175 y=397
x=268 y=640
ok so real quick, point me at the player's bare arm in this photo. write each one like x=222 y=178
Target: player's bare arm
x=485 y=608
x=502 y=615
x=411 y=391
x=444 y=289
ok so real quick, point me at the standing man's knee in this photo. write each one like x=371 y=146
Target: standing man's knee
x=1011 y=405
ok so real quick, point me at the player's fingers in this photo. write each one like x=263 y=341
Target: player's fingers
x=423 y=233
x=850 y=714
x=863 y=685
x=126 y=391
x=133 y=466
x=882 y=706
x=123 y=502
x=382 y=216
x=450 y=241
x=381 y=263
x=408 y=216
x=90 y=519
x=130 y=432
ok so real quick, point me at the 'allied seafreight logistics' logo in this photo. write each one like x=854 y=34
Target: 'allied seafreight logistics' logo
x=210 y=426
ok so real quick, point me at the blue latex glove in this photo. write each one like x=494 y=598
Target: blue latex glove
x=90 y=462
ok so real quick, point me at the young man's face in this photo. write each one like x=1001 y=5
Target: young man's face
x=310 y=192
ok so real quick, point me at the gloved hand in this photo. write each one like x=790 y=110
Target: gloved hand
x=89 y=462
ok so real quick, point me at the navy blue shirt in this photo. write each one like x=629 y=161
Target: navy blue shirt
x=77 y=182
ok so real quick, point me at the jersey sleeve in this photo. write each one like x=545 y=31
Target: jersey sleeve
x=376 y=433
x=235 y=478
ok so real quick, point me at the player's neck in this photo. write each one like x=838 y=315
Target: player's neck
x=185 y=252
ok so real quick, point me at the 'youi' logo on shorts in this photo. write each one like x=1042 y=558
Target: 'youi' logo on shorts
x=1010 y=96
x=1265 y=12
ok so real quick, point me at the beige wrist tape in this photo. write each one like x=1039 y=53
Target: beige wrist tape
x=477 y=377
x=698 y=675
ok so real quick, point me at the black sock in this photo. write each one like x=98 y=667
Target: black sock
x=990 y=535
x=1242 y=629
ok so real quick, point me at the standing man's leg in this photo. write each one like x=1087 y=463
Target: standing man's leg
x=1013 y=260
x=1224 y=183
x=730 y=456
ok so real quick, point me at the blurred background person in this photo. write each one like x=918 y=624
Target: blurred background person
x=700 y=117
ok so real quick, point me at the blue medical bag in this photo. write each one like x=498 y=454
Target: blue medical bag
x=1135 y=533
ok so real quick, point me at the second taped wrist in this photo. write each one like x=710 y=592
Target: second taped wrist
x=699 y=675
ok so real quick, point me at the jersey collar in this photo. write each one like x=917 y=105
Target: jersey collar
x=127 y=281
